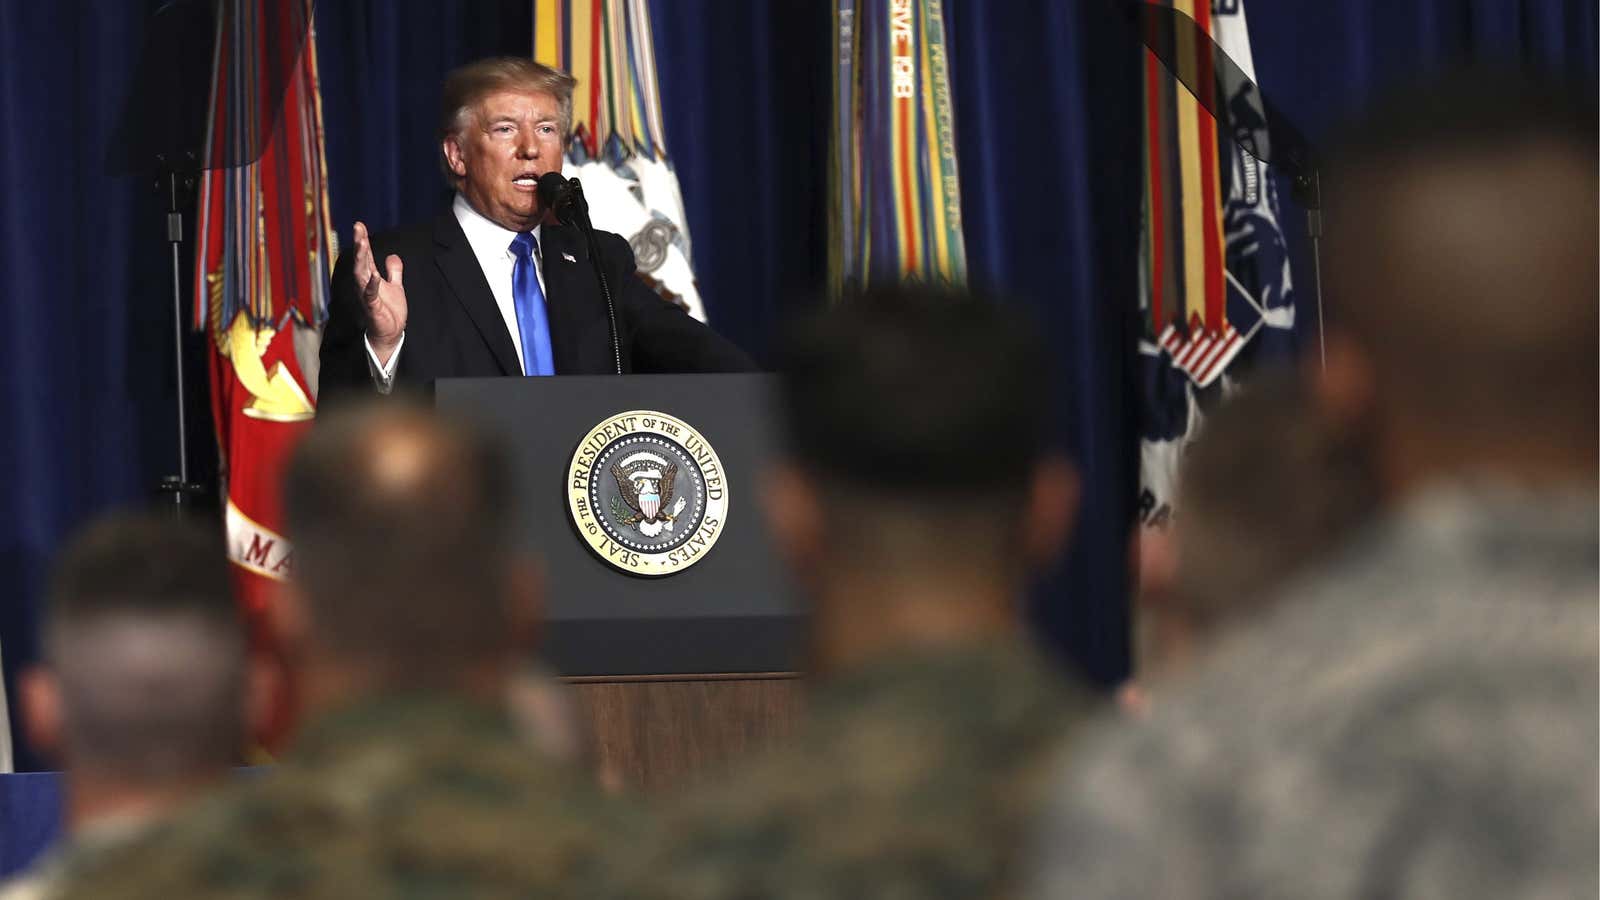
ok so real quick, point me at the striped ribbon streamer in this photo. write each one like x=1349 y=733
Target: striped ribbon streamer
x=1183 y=250
x=264 y=251
x=895 y=200
x=609 y=46
x=264 y=237
x=1215 y=274
x=619 y=146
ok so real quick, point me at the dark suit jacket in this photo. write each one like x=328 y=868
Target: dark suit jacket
x=454 y=329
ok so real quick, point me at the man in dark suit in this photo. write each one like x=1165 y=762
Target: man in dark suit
x=496 y=285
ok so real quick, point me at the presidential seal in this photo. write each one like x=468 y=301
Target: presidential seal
x=647 y=493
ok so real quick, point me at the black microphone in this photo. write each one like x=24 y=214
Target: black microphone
x=564 y=197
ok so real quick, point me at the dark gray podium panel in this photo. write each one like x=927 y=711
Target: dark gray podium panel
x=731 y=612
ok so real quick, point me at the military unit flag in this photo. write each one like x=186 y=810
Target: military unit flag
x=1214 y=269
x=264 y=248
x=895 y=204
x=619 y=148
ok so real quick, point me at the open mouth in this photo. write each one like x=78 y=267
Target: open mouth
x=526 y=181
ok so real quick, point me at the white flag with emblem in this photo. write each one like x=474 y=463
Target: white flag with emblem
x=618 y=148
x=1215 y=281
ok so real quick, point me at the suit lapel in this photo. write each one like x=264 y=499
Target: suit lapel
x=464 y=276
x=565 y=267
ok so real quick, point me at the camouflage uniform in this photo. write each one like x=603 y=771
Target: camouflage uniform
x=913 y=777
x=1419 y=720
x=42 y=879
x=410 y=796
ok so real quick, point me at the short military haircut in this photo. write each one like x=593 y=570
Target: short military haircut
x=1461 y=250
x=467 y=86
x=402 y=526
x=1268 y=489
x=916 y=390
x=148 y=646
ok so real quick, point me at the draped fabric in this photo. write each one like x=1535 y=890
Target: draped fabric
x=1048 y=141
x=85 y=303
x=1047 y=111
x=1214 y=273
x=895 y=191
x=30 y=817
x=263 y=254
x=619 y=148
x=261 y=275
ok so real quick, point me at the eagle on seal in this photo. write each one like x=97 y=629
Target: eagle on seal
x=645 y=483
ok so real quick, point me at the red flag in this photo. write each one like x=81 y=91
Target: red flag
x=264 y=251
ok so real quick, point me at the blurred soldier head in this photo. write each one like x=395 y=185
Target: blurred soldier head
x=1267 y=490
x=917 y=494
x=407 y=573
x=1462 y=286
x=142 y=695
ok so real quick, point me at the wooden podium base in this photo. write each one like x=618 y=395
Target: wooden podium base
x=656 y=732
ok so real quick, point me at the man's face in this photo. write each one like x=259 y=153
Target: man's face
x=513 y=139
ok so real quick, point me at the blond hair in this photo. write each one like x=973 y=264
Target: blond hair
x=467 y=86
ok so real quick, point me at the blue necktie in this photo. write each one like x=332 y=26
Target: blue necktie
x=533 y=323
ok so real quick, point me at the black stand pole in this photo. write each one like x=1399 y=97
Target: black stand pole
x=579 y=208
x=1311 y=198
x=161 y=135
x=179 y=488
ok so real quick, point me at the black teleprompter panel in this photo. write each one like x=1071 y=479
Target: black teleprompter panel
x=734 y=611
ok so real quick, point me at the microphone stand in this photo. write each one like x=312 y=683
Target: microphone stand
x=1308 y=190
x=575 y=208
x=161 y=135
x=182 y=491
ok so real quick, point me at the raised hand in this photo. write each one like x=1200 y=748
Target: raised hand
x=383 y=296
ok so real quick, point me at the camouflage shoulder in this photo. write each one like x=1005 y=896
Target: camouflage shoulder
x=490 y=823
x=877 y=810
x=692 y=844
x=150 y=866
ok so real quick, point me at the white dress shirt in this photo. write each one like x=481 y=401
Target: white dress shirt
x=491 y=244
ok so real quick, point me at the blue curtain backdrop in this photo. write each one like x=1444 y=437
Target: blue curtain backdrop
x=1047 y=111
x=1047 y=115
x=86 y=377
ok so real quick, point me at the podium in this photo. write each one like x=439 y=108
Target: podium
x=677 y=672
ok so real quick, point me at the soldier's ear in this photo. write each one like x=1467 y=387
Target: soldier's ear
x=1344 y=385
x=794 y=516
x=40 y=695
x=288 y=620
x=1052 y=508
x=1153 y=562
x=266 y=695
